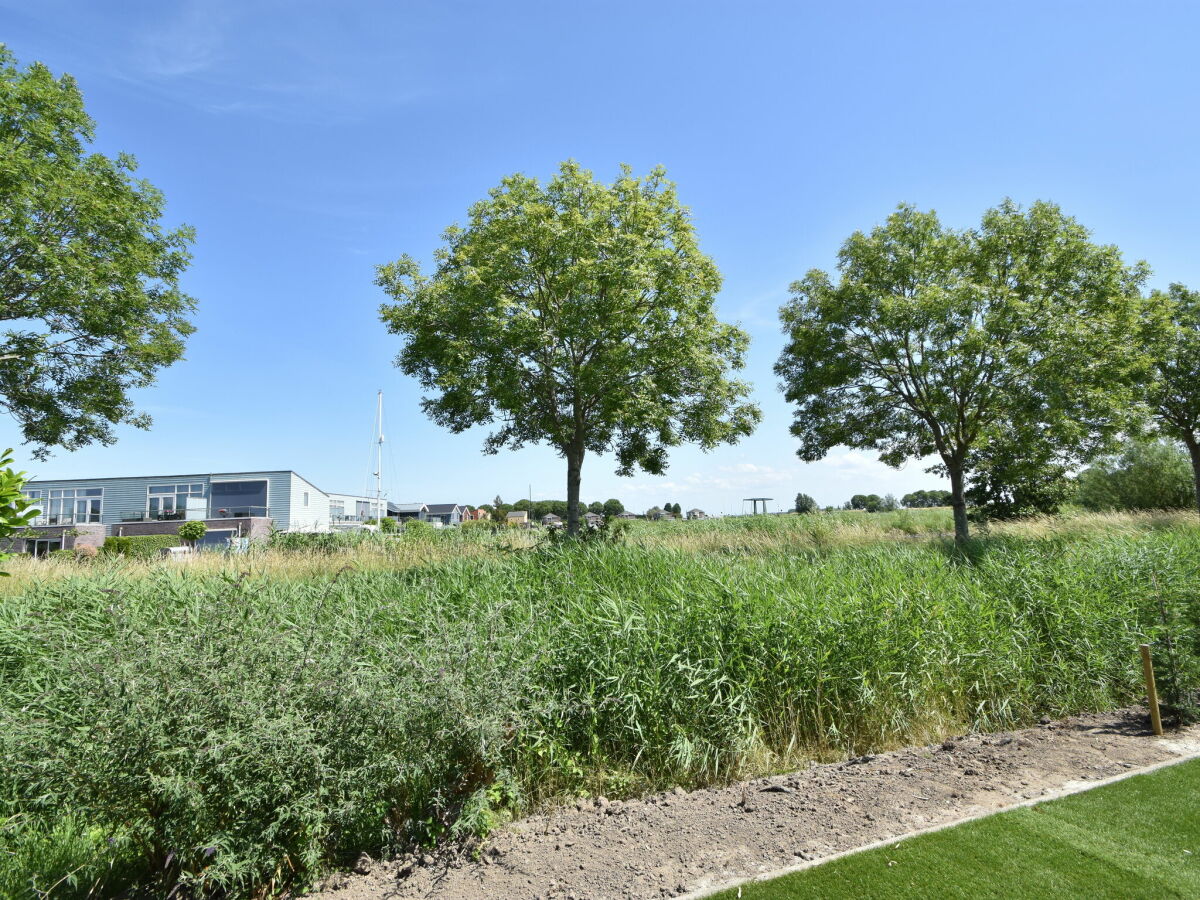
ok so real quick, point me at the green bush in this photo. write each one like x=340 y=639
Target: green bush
x=138 y=546
x=417 y=528
x=192 y=531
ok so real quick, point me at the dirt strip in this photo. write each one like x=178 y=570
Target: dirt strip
x=679 y=843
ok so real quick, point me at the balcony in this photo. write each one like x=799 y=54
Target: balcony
x=236 y=512
x=179 y=515
x=66 y=519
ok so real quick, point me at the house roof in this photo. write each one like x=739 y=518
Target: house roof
x=690 y=511
x=518 y=514
x=406 y=507
x=441 y=509
x=551 y=517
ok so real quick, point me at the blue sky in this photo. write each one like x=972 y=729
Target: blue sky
x=308 y=142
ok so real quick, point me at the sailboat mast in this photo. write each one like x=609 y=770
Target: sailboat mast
x=379 y=512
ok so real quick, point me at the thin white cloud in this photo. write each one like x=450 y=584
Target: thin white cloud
x=187 y=44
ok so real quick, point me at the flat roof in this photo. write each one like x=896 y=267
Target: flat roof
x=178 y=477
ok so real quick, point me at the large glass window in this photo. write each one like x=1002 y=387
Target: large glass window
x=237 y=499
x=70 y=506
x=170 y=501
x=337 y=510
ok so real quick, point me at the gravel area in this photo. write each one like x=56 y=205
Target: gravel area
x=686 y=843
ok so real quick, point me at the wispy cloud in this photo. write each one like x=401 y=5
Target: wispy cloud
x=189 y=43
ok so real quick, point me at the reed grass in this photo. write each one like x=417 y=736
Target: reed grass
x=240 y=724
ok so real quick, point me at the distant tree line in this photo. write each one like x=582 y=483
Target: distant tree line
x=537 y=509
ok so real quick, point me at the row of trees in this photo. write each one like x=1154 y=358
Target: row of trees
x=498 y=509
x=582 y=314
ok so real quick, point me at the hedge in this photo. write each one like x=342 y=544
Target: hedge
x=139 y=546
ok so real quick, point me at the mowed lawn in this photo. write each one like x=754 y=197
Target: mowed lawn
x=1136 y=838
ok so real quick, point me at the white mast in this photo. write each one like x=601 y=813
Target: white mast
x=379 y=463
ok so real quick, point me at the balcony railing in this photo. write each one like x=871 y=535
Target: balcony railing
x=236 y=512
x=179 y=515
x=66 y=519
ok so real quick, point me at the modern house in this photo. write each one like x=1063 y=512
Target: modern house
x=550 y=520
x=406 y=511
x=84 y=511
x=594 y=520
x=444 y=513
x=351 y=510
x=696 y=514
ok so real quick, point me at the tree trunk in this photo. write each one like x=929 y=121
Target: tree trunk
x=1194 y=450
x=574 y=468
x=959 y=502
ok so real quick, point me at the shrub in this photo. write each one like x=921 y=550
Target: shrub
x=85 y=552
x=138 y=546
x=417 y=528
x=192 y=531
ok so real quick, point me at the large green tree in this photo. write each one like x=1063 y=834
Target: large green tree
x=89 y=278
x=1154 y=474
x=575 y=313
x=1014 y=338
x=1174 y=391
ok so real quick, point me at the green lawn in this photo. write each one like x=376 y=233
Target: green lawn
x=1137 y=838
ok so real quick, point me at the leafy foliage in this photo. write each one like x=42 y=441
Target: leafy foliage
x=1145 y=475
x=138 y=546
x=1174 y=392
x=16 y=510
x=805 y=503
x=1017 y=340
x=577 y=314
x=925 y=499
x=89 y=278
x=192 y=531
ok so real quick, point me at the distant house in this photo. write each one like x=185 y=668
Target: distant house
x=444 y=513
x=406 y=511
x=518 y=518
x=551 y=520
x=476 y=515
x=593 y=519
x=627 y=515
x=697 y=514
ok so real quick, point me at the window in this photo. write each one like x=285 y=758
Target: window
x=170 y=501
x=72 y=505
x=306 y=498
x=364 y=509
x=238 y=499
x=337 y=509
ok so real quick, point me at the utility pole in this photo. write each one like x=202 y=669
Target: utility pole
x=379 y=512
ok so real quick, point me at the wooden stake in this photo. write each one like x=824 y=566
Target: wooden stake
x=1151 y=691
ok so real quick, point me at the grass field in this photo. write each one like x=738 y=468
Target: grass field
x=1137 y=838
x=241 y=724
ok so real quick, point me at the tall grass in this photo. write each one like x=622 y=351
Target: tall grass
x=233 y=730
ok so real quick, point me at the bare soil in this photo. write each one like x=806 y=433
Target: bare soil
x=680 y=843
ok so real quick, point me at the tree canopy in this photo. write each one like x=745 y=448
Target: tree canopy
x=1016 y=338
x=89 y=277
x=578 y=314
x=805 y=503
x=925 y=499
x=1174 y=391
x=1153 y=474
